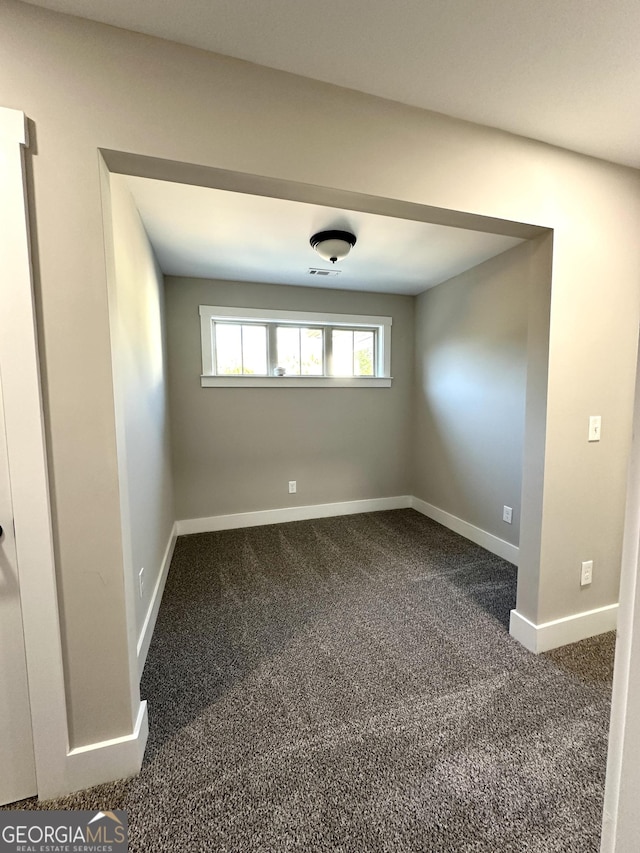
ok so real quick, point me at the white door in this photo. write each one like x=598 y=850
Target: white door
x=17 y=773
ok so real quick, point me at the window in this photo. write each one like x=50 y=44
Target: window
x=241 y=349
x=244 y=347
x=300 y=350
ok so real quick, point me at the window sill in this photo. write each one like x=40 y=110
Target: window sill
x=295 y=381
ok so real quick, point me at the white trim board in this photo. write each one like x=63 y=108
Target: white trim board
x=486 y=540
x=291 y=513
x=620 y=810
x=149 y=624
x=118 y=758
x=28 y=465
x=497 y=546
x=247 y=381
x=562 y=632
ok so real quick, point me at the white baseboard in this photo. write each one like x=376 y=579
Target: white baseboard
x=492 y=543
x=105 y=761
x=562 y=632
x=144 y=640
x=292 y=513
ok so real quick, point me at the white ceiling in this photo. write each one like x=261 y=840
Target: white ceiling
x=562 y=71
x=212 y=233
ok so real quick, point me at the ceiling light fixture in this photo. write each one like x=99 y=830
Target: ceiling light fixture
x=333 y=245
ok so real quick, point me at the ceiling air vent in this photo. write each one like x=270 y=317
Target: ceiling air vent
x=313 y=271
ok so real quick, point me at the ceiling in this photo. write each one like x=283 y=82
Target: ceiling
x=562 y=71
x=212 y=233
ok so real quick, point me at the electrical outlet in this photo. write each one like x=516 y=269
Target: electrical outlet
x=141 y=582
x=507 y=514
x=586 y=574
x=293 y=487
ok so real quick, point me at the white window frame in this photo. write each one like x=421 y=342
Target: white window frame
x=212 y=313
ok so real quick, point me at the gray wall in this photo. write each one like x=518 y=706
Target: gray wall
x=471 y=363
x=140 y=385
x=235 y=449
x=85 y=86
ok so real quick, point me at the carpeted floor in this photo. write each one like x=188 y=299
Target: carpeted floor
x=349 y=685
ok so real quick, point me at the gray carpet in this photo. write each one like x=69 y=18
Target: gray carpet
x=349 y=684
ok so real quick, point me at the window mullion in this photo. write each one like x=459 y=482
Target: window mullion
x=272 y=348
x=327 y=334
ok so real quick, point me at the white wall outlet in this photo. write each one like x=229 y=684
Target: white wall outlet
x=507 y=514
x=293 y=487
x=141 y=582
x=595 y=425
x=586 y=575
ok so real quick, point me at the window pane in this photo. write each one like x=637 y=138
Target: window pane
x=254 y=349
x=288 y=349
x=228 y=348
x=363 y=353
x=311 y=352
x=342 y=346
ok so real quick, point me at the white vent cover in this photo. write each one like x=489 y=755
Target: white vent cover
x=318 y=272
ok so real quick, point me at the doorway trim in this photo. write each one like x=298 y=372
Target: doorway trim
x=20 y=368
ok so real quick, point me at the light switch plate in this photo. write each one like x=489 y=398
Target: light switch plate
x=595 y=425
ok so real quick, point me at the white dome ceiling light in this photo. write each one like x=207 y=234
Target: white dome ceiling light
x=333 y=245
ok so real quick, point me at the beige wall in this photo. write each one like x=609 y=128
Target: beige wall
x=471 y=363
x=140 y=384
x=235 y=449
x=86 y=86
